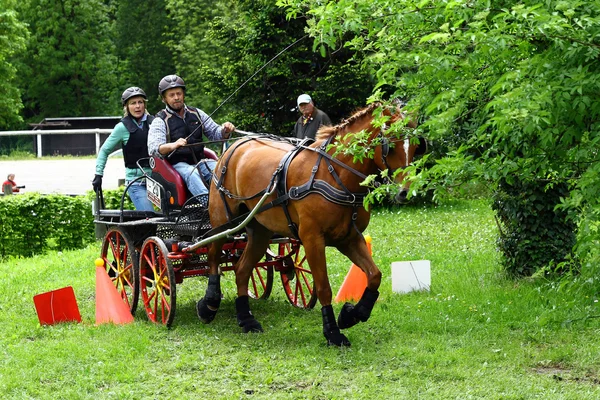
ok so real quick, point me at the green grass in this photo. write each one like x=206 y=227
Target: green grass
x=475 y=335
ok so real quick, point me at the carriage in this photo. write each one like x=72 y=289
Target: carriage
x=273 y=207
x=147 y=253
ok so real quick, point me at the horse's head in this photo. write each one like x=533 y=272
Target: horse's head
x=387 y=131
x=396 y=150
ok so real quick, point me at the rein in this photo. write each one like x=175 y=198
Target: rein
x=329 y=192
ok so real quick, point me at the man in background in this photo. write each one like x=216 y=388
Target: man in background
x=311 y=119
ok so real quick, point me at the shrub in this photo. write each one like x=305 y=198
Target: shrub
x=34 y=223
x=534 y=234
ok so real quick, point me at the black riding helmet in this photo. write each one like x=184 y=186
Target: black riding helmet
x=132 y=92
x=170 y=82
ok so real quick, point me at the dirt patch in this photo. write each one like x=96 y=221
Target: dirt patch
x=562 y=374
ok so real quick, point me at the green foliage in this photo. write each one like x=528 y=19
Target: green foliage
x=33 y=224
x=13 y=34
x=17 y=147
x=113 y=198
x=68 y=68
x=506 y=91
x=71 y=223
x=221 y=46
x=534 y=234
x=143 y=56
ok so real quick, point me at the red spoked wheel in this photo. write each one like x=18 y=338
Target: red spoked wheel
x=261 y=280
x=296 y=277
x=121 y=262
x=157 y=282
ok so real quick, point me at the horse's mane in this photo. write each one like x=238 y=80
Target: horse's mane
x=327 y=131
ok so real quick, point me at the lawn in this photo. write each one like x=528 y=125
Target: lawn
x=475 y=335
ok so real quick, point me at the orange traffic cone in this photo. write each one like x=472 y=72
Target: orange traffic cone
x=57 y=306
x=355 y=281
x=109 y=305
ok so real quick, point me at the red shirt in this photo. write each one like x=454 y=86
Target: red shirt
x=8 y=182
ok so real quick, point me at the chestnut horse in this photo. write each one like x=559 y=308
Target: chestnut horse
x=319 y=199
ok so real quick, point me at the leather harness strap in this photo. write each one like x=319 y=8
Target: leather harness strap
x=219 y=181
x=334 y=195
x=338 y=196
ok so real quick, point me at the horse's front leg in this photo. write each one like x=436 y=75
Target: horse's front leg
x=207 y=307
x=358 y=252
x=314 y=248
x=258 y=241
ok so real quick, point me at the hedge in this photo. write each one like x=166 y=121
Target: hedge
x=33 y=223
x=534 y=234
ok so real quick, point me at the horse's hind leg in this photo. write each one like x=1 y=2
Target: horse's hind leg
x=258 y=241
x=207 y=307
x=359 y=254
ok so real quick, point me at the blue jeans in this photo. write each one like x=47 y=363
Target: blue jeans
x=137 y=194
x=191 y=177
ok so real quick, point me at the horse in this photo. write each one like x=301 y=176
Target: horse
x=319 y=200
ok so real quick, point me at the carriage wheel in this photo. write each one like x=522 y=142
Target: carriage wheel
x=296 y=277
x=157 y=282
x=261 y=280
x=121 y=262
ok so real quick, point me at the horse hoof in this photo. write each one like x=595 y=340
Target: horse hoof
x=347 y=318
x=206 y=313
x=337 y=338
x=251 y=325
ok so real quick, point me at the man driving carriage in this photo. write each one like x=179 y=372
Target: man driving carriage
x=178 y=129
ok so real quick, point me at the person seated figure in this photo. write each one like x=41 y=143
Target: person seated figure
x=10 y=186
x=178 y=129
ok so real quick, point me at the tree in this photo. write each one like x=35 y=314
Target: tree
x=220 y=46
x=69 y=67
x=141 y=26
x=13 y=34
x=511 y=87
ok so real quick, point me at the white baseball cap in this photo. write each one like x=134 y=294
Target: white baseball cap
x=304 y=98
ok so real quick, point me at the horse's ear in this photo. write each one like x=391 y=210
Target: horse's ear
x=422 y=147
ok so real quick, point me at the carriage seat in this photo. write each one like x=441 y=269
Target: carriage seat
x=175 y=188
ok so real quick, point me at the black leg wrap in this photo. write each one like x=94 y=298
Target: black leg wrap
x=245 y=318
x=330 y=329
x=208 y=306
x=353 y=314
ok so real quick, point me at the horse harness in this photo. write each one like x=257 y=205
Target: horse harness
x=341 y=196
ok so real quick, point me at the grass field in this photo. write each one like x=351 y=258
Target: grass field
x=475 y=335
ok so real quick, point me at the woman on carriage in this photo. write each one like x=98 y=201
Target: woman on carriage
x=132 y=135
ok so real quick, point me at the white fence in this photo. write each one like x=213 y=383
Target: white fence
x=39 y=133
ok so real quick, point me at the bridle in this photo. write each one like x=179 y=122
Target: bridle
x=385 y=152
x=385 y=147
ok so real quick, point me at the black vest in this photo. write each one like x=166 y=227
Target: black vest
x=180 y=128
x=137 y=145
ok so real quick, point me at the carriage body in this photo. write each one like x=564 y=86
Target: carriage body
x=147 y=253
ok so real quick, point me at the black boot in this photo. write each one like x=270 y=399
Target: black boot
x=352 y=315
x=330 y=329
x=245 y=318
x=208 y=306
